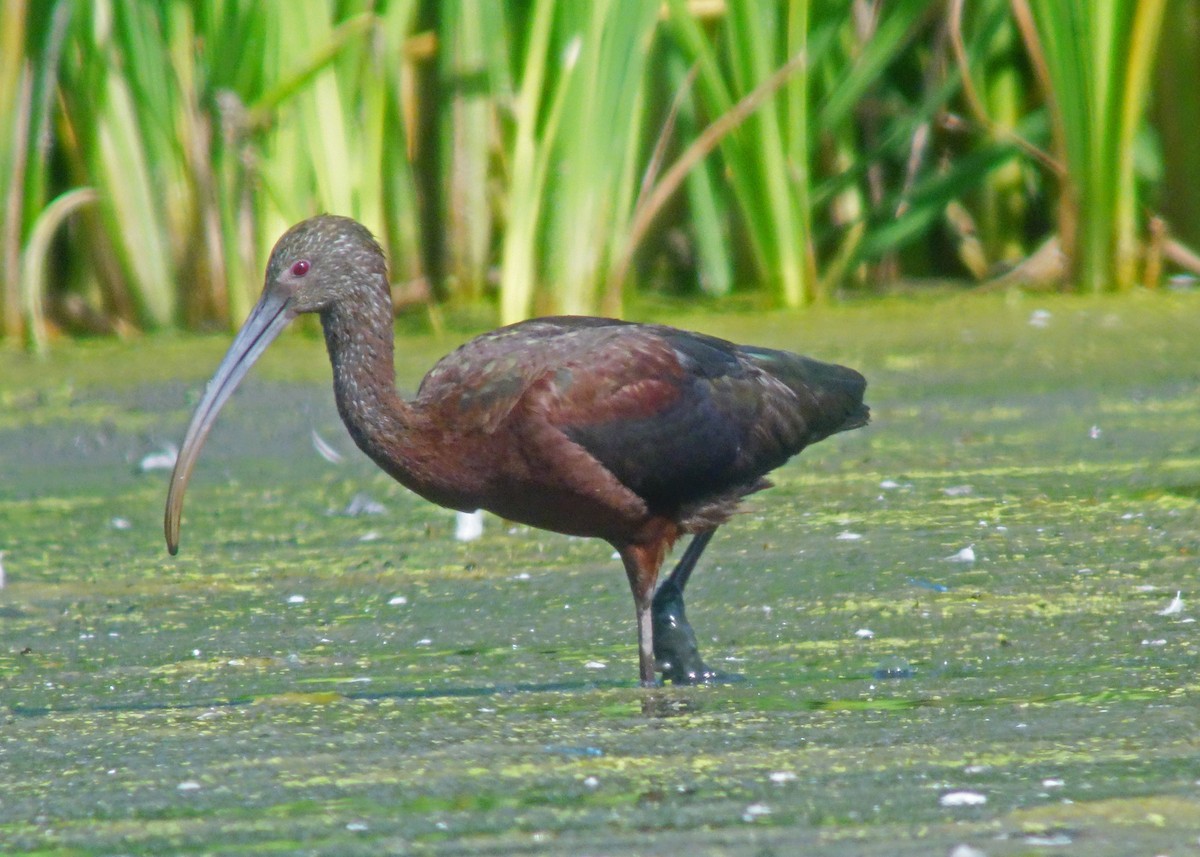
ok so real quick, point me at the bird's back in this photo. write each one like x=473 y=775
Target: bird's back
x=733 y=414
x=687 y=422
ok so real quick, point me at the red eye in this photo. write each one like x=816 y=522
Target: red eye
x=300 y=268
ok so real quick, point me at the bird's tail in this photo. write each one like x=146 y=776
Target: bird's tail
x=834 y=393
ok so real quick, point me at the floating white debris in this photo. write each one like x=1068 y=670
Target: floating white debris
x=964 y=850
x=524 y=575
x=397 y=600
x=1040 y=318
x=164 y=459
x=1176 y=606
x=2 y=568
x=889 y=484
x=591 y=782
x=120 y=524
x=755 y=810
x=864 y=633
x=596 y=665
x=468 y=526
x=424 y=641
x=781 y=777
x=361 y=504
x=1154 y=642
x=296 y=599
x=370 y=536
x=1094 y=432
x=847 y=536
x=1053 y=783
x=188 y=786
x=967 y=554
x=963 y=798
x=957 y=490
x=325 y=450
x=357 y=826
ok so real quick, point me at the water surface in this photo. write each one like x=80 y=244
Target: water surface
x=303 y=680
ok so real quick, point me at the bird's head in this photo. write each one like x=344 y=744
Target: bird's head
x=321 y=261
x=318 y=265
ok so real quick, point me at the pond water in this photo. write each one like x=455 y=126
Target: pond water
x=957 y=631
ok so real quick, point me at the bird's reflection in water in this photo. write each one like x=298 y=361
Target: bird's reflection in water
x=663 y=705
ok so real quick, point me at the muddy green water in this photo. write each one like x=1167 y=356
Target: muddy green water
x=300 y=680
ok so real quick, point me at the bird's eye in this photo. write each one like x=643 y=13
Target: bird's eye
x=300 y=268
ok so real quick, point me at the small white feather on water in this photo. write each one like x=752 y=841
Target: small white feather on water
x=1176 y=606
x=964 y=850
x=967 y=554
x=963 y=798
x=325 y=450
x=362 y=504
x=755 y=810
x=468 y=526
x=164 y=459
x=2 y=553
x=847 y=536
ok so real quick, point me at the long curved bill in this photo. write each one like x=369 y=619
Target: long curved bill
x=268 y=318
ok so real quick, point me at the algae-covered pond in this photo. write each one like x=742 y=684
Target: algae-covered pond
x=325 y=670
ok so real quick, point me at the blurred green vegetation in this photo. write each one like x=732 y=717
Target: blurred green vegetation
x=557 y=157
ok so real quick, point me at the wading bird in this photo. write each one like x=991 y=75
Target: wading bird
x=632 y=433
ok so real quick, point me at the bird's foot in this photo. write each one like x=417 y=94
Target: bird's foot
x=676 y=654
x=692 y=670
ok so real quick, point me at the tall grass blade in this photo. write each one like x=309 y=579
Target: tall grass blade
x=1133 y=94
x=472 y=31
x=591 y=188
x=706 y=208
x=1098 y=59
x=531 y=138
x=33 y=262
x=28 y=80
x=653 y=201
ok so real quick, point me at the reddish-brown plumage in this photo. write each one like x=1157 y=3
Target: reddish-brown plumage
x=636 y=434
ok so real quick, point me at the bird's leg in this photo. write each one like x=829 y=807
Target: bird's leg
x=675 y=650
x=641 y=567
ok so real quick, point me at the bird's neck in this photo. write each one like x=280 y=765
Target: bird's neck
x=400 y=437
x=359 y=336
